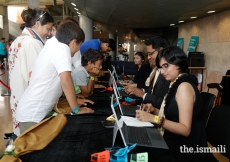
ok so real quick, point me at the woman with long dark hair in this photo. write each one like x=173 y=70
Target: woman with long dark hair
x=143 y=71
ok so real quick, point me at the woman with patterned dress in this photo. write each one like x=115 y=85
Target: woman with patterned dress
x=24 y=51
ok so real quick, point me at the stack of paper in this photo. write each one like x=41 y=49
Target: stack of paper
x=134 y=122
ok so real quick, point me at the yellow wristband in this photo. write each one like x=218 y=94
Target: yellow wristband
x=92 y=78
x=156 y=119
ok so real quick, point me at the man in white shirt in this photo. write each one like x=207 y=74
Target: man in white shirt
x=52 y=74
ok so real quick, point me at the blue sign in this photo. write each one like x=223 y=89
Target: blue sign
x=180 y=42
x=192 y=44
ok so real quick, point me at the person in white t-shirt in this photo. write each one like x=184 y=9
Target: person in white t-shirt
x=52 y=74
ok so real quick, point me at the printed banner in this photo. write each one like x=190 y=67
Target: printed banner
x=180 y=42
x=192 y=44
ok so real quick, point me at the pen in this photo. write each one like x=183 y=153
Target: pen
x=141 y=105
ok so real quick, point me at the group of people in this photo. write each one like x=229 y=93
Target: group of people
x=4 y=49
x=40 y=71
x=172 y=101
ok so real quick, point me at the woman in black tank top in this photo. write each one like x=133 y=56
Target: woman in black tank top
x=181 y=114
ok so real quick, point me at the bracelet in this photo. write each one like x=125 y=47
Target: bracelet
x=156 y=119
x=162 y=120
x=92 y=78
x=75 y=110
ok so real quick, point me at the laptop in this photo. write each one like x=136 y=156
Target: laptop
x=120 y=92
x=114 y=72
x=127 y=110
x=142 y=136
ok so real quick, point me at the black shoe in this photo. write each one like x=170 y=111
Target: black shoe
x=8 y=135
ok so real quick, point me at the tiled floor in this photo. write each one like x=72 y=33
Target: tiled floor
x=5 y=113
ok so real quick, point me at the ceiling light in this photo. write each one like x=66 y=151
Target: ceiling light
x=172 y=24
x=75 y=8
x=211 y=11
x=193 y=17
x=73 y=4
x=79 y=13
x=181 y=21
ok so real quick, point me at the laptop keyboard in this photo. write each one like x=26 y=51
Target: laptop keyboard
x=138 y=135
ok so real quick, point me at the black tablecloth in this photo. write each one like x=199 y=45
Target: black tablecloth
x=84 y=135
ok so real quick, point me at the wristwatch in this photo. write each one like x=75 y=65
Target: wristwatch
x=92 y=78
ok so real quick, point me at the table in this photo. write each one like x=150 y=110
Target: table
x=84 y=135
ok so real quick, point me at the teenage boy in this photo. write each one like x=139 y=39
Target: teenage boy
x=84 y=75
x=103 y=46
x=52 y=74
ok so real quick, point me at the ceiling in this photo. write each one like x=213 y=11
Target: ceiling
x=137 y=17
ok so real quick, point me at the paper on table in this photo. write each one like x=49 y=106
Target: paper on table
x=130 y=121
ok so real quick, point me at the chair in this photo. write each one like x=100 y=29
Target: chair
x=208 y=102
x=225 y=83
x=219 y=88
x=228 y=72
x=218 y=129
x=130 y=68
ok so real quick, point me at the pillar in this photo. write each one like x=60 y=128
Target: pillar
x=87 y=26
x=5 y=22
x=33 y=4
x=113 y=53
x=131 y=50
x=117 y=45
x=65 y=11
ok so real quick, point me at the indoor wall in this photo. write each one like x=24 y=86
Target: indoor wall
x=214 y=42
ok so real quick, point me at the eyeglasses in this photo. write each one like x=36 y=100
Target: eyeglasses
x=164 y=66
x=150 y=53
x=41 y=16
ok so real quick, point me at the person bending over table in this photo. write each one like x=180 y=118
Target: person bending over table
x=142 y=73
x=183 y=124
x=84 y=76
x=103 y=46
x=52 y=74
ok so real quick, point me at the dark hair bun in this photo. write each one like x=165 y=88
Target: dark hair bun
x=29 y=17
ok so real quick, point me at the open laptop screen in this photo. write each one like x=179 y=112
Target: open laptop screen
x=114 y=72
x=118 y=123
x=115 y=104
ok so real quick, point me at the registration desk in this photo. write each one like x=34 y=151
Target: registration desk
x=84 y=135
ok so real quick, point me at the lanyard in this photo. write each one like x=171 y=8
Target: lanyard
x=35 y=35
